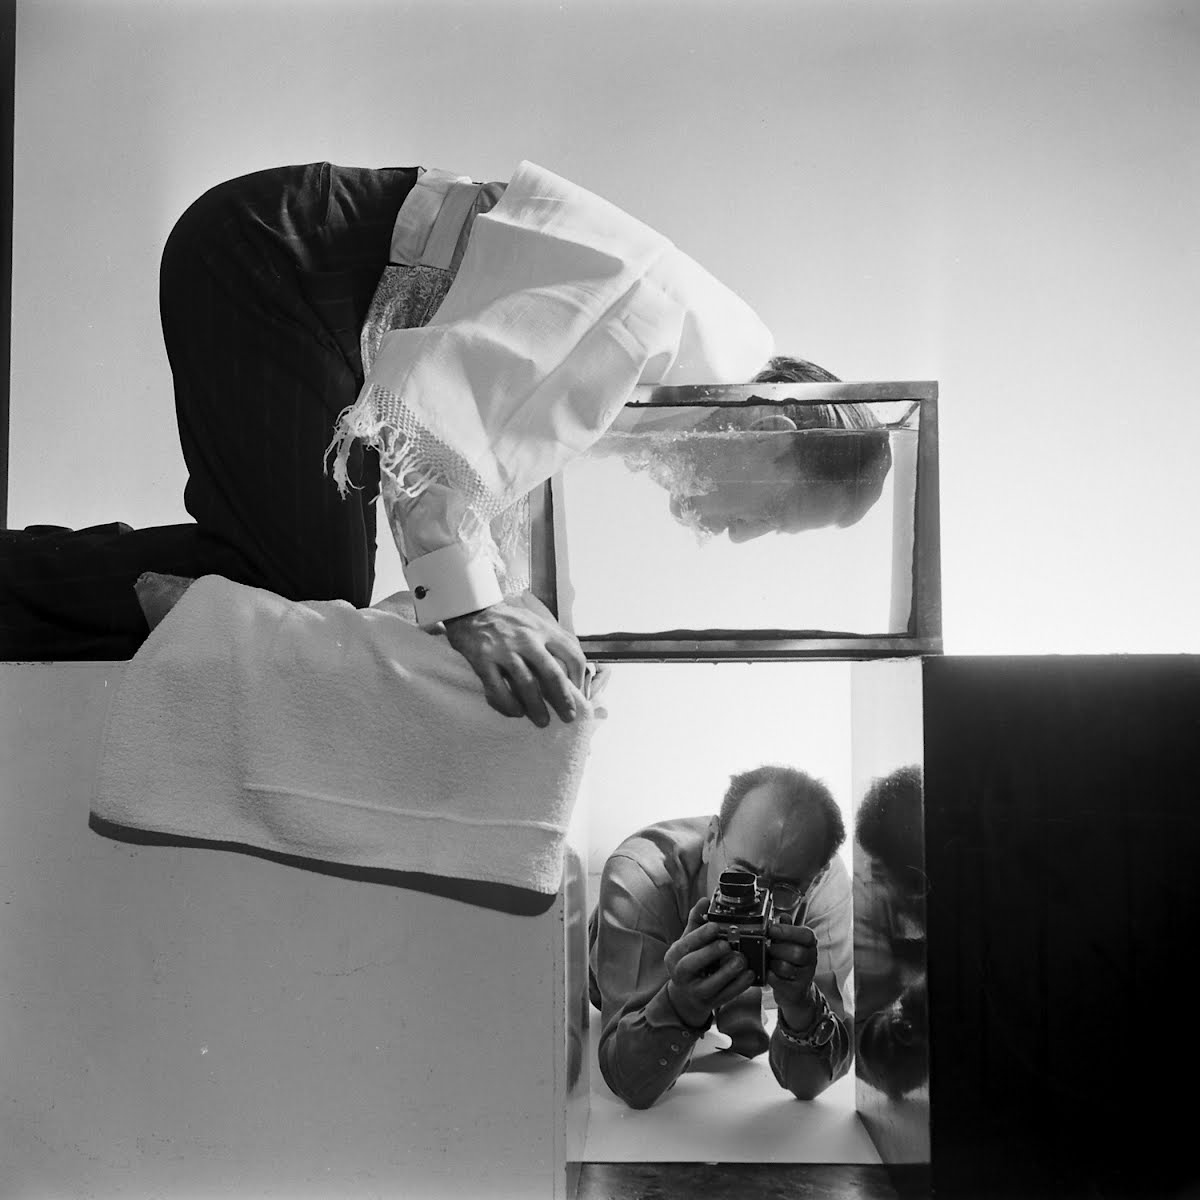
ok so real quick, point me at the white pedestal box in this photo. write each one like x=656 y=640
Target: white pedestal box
x=201 y=1023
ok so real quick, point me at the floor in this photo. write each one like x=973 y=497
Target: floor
x=736 y=1181
x=729 y=1109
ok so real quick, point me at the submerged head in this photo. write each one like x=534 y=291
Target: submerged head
x=762 y=482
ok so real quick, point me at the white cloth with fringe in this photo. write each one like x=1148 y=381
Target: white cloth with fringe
x=561 y=306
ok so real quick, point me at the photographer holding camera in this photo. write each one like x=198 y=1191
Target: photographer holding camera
x=696 y=914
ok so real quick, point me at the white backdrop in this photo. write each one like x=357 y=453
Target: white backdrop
x=1001 y=197
x=677 y=732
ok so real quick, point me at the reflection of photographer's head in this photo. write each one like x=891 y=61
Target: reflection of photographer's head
x=888 y=827
x=779 y=823
x=786 y=485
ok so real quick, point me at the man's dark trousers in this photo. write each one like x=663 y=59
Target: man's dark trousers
x=264 y=287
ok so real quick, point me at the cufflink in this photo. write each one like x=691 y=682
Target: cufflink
x=451 y=581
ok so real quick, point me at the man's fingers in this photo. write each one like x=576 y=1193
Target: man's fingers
x=697 y=963
x=731 y=980
x=791 y=972
x=563 y=694
x=696 y=916
x=687 y=941
x=601 y=678
x=798 y=935
x=722 y=977
x=562 y=645
x=793 y=951
x=523 y=657
x=497 y=693
x=796 y=955
x=527 y=691
x=568 y=652
x=702 y=936
x=740 y=983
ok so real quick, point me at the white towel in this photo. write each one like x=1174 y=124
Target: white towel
x=349 y=736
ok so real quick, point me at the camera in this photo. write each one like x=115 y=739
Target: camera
x=744 y=912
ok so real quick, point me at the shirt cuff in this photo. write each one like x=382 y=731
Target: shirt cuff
x=450 y=582
x=660 y=1014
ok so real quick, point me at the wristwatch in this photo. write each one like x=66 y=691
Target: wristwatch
x=819 y=1034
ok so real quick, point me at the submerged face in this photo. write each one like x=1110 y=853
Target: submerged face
x=778 y=474
x=767 y=837
x=756 y=485
x=747 y=509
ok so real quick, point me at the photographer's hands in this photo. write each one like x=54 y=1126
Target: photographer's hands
x=791 y=969
x=703 y=973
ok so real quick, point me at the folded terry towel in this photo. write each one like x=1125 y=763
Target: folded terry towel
x=345 y=735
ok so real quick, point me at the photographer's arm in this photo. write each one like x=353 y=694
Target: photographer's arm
x=657 y=987
x=644 y=1048
x=807 y=1053
x=807 y=1070
x=644 y=1043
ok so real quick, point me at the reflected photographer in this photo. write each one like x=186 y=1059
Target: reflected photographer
x=695 y=915
x=891 y=1022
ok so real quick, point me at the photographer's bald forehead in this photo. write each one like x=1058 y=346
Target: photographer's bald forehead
x=771 y=832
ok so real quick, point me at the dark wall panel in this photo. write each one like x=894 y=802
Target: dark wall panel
x=8 y=48
x=1062 y=829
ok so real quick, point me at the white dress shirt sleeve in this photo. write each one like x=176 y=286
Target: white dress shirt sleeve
x=562 y=305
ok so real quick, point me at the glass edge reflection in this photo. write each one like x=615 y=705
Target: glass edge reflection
x=755 y=649
x=709 y=394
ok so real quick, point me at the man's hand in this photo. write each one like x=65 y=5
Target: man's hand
x=703 y=973
x=523 y=658
x=791 y=968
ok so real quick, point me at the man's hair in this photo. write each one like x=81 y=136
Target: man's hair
x=888 y=825
x=859 y=464
x=803 y=791
x=782 y=369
